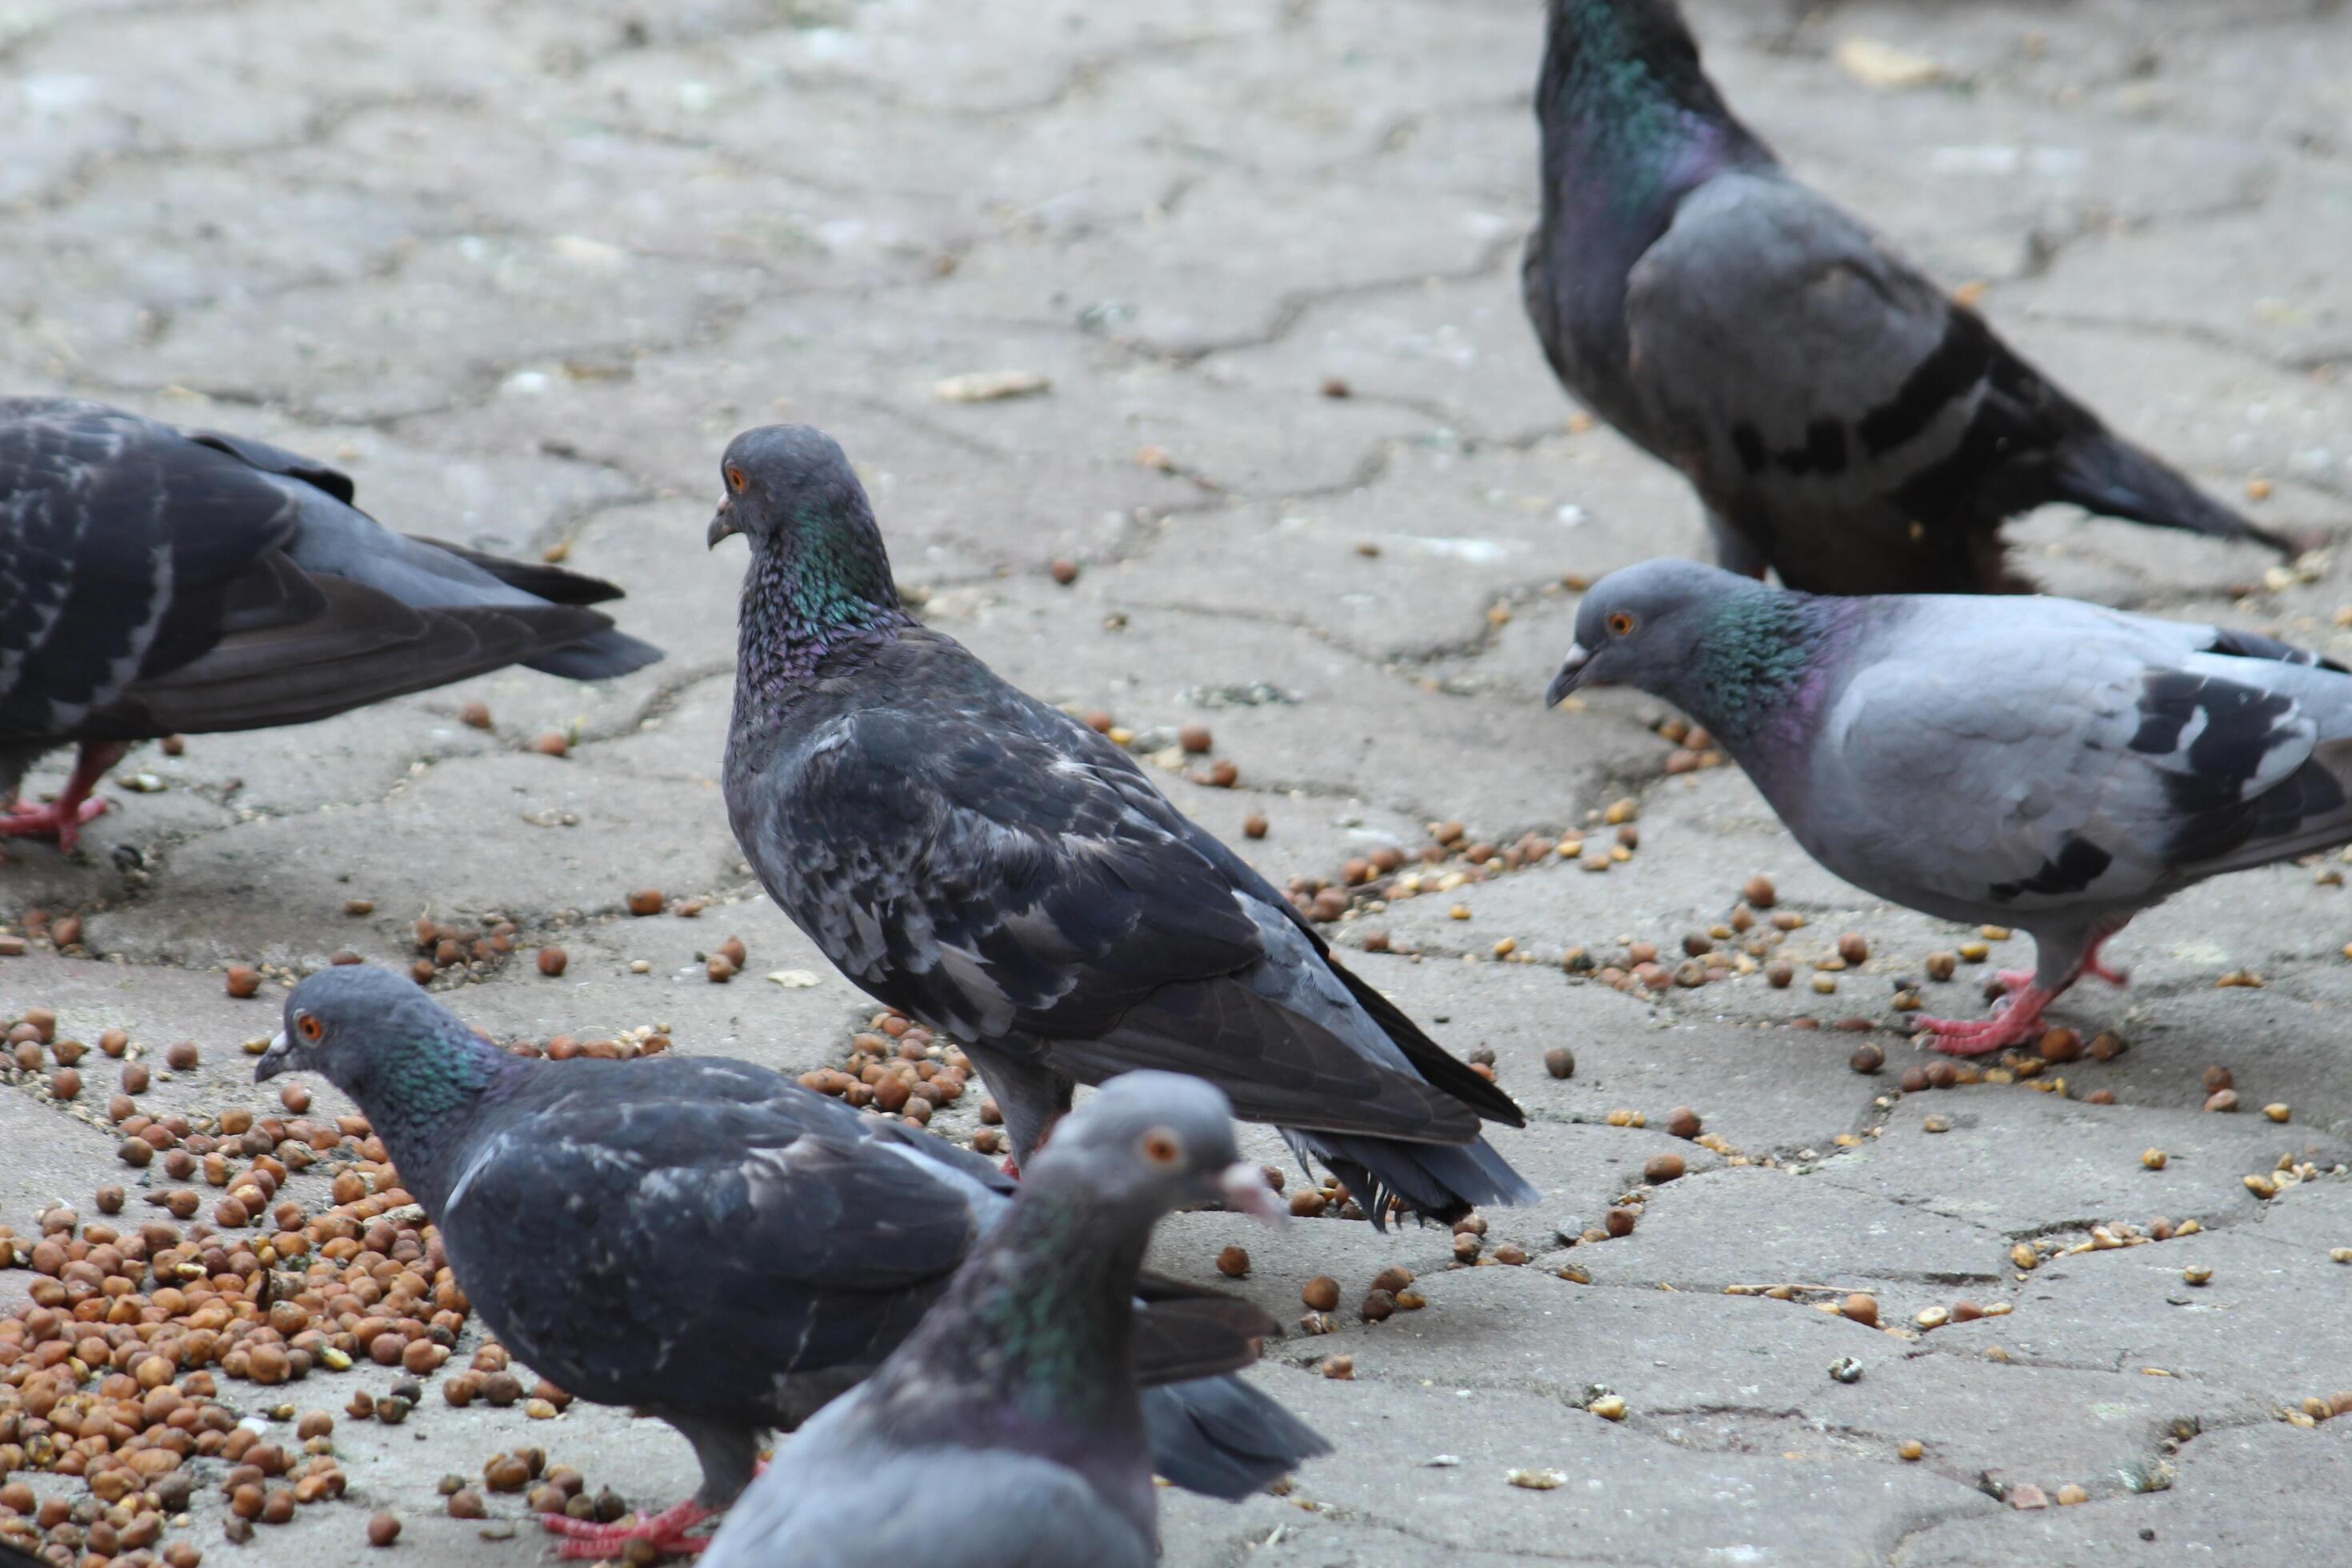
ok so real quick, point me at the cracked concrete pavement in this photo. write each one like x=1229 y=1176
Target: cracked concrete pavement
x=522 y=267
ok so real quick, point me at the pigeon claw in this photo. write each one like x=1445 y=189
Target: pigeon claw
x=2016 y=1021
x=60 y=821
x=664 y=1531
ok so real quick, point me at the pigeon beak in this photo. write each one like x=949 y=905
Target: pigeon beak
x=722 y=525
x=1243 y=1186
x=273 y=1060
x=1570 y=676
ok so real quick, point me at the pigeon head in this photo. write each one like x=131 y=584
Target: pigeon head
x=1156 y=1141
x=790 y=491
x=377 y=1037
x=1639 y=626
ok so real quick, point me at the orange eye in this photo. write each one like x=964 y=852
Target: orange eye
x=1161 y=1147
x=1620 y=623
x=735 y=480
x=309 y=1028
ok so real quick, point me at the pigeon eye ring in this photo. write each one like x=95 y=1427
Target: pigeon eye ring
x=1161 y=1147
x=735 y=480
x=308 y=1028
x=1620 y=623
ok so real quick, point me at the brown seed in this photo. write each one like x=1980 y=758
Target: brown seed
x=1915 y=1080
x=1759 y=893
x=295 y=1098
x=1223 y=774
x=1941 y=965
x=1862 y=1308
x=1683 y=1121
x=1378 y=1307
x=1662 y=1168
x=1966 y=1311
x=1329 y=904
x=1322 y=1293
x=1560 y=1062
x=475 y=716
x=1910 y=1448
x=383 y=1530
x=553 y=743
x=1064 y=570
x=1942 y=1075
x=466 y=1503
x=1232 y=1263
x=553 y=961
x=1253 y=826
x=506 y=1473
x=719 y=968
x=646 y=901
x=1512 y=1253
x=2217 y=1079
x=1778 y=973
x=2222 y=1099
x=65 y=1083
x=244 y=979
x=1195 y=738
x=2100 y=1096
x=1339 y=1368
x=2060 y=1044
x=1620 y=1222
x=1854 y=949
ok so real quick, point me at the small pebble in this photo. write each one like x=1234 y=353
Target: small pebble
x=1845 y=1369
x=2028 y=1496
x=1824 y=983
x=1620 y=1222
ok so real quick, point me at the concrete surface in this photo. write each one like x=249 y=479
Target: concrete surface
x=522 y=267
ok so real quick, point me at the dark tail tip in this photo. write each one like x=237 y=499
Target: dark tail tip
x=1223 y=1438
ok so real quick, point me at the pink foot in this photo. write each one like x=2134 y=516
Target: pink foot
x=2092 y=966
x=2013 y=979
x=1011 y=1167
x=2015 y=1021
x=665 y=1532
x=60 y=822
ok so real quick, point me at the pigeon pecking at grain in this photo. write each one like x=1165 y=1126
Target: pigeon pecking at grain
x=2035 y=763
x=155 y=580
x=1844 y=421
x=1016 y=1394
x=712 y=1244
x=997 y=870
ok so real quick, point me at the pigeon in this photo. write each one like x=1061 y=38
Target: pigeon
x=1015 y=1393
x=2035 y=763
x=711 y=1243
x=155 y=580
x=1844 y=421
x=999 y=872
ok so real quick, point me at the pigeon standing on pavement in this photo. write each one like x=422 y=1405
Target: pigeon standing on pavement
x=155 y=580
x=717 y=1246
x=2034 y=762
x=995 y=868
x=1844 y=420
x=1015 y=1395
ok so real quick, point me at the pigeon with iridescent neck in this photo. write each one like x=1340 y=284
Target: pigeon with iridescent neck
x=2035 y=763
x=997 y=870
x=1014 y=1395
x=1844 y=421
x=714 y=1245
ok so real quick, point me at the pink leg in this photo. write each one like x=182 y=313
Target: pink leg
x=62 y=819
x=665 y=1532
x=2092 y=966
x=2016 y=1020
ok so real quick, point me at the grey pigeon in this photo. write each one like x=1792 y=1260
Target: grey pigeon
x=1015 y=1393
x=155 y=580
x=999 y=871
x=2034 y=762
x=715 y=1245
x=1844 y=420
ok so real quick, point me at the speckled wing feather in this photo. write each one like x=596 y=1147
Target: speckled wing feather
x=987 y=863
x=794 y=1239
x=2066 y=754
